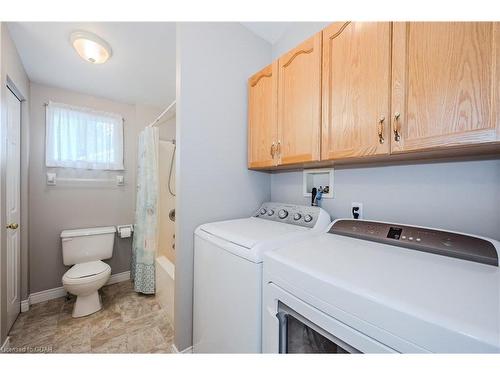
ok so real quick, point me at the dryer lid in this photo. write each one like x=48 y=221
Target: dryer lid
x=86 y=269
x=439 y=303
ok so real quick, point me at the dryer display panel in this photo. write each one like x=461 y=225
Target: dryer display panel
x=434 y=241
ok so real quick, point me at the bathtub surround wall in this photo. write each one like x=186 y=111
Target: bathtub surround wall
x=80 y=205
x=214 y=61
x=166 y=228
x=167 y=128
x=12 y=73
x=166 y=124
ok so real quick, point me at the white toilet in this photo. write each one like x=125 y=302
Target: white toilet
x=84 y=249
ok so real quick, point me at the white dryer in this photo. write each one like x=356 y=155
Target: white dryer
x=227 y=306
x=365 y=286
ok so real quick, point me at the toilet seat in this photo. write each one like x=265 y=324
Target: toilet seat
x=87 y=272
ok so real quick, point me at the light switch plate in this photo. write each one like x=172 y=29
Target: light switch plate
x=51 y=178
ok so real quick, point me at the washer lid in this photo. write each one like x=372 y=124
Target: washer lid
x=86 y=269
x=251 y=231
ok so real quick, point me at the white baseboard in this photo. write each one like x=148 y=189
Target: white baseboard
x=188 y=350
x=5 y=345
x=25 y=304
x=46 y=295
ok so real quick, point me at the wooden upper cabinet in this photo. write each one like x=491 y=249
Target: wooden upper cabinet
x=356 y=89
x=299 y=103
x=262 y=120
x=446 y=82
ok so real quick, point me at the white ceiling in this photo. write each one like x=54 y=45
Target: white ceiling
x=270 y=31
x=141 y=69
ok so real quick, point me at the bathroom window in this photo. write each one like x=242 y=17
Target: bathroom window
x=83 y=138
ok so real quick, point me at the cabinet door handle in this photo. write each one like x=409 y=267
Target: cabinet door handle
x=273 y=146
x=397 y=134
x=381 y=129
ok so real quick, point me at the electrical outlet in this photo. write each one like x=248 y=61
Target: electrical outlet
x=357 y=210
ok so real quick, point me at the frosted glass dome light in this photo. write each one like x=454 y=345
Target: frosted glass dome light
x=90 y=47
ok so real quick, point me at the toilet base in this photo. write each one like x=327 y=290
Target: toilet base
x=86 y=305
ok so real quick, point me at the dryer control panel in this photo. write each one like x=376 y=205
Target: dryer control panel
x=305 y=216
x=434 y=241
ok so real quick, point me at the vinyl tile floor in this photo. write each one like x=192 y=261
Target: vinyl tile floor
x=129 y=322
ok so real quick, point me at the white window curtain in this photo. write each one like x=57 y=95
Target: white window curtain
x=83 y=138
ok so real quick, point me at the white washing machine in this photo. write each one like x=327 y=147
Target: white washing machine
x=227 y=306
x=373 y=287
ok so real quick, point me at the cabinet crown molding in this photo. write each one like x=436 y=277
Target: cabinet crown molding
x=290 y=60
x=254 y=83
x=342 y=28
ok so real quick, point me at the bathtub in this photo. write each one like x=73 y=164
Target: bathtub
x=165 y=276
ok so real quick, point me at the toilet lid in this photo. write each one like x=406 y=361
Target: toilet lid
x=86 y=269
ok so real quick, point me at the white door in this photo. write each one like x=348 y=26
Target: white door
x=13 y=211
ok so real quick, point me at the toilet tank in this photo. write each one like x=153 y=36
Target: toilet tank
x=86 y=245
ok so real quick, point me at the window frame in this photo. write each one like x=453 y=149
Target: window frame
x=117 y=122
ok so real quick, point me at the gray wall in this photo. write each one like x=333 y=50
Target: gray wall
x=462 y=196
x=214 y=61
x=78 y=205
x=12 y=70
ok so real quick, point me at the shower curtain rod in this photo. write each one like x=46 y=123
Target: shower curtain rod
x=162 y=114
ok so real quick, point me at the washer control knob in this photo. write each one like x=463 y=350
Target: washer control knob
x=308 y=218
x=297 y=216
x=263 y=211
x=270 y=213
x=282 y=214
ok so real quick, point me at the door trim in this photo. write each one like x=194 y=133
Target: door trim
x=14 y=276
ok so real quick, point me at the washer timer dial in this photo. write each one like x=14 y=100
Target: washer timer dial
x=282 y=214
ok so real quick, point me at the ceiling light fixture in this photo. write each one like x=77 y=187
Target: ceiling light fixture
x=90 y=47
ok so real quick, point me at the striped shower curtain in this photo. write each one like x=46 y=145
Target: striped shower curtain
x=145 y=240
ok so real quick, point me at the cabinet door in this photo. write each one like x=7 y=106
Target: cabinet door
x=356 y=89
x=299 y=103
x=262 y=121
x=445 y=84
